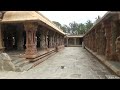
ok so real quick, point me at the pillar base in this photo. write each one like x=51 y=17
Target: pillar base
x=30 y=56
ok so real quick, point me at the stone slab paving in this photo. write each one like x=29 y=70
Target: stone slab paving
x=69 y=63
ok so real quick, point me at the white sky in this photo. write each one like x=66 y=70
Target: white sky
x=66 y=17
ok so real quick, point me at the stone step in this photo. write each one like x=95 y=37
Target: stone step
x=22 y=63
x=43 y=59
x=27 y=67
x=18 y=60
x=46 y=54
x=30 y=65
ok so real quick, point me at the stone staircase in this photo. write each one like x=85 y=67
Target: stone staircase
x=13 y=61
x=22 y=64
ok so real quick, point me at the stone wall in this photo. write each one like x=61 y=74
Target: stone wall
x=104 y=38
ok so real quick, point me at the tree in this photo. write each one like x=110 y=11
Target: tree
x=81 y=29
x=89 y=24
x=65 y=29
x=74 y=27
x=57 y=24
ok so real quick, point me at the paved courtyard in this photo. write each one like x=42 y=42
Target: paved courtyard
x=69 y=63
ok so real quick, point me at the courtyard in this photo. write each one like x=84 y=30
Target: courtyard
x=69 y=63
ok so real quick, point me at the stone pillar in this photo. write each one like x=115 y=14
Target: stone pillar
x=114 y=35
x=67 y=41
x=102 y=39
x=42 y=37
x=31 y=49
x=118 y=48
x=108 y=40
x=74 y=41
x=51 y=39
x=95 y=40
x=56 y=46
x=0 y=38
x=1 y=41
x=62 y=40
x=46 y=39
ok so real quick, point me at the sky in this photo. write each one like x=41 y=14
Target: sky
x=66 y=17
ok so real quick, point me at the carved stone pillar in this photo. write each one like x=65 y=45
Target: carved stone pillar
x=95 y=41
x=108 y=40
x=51 y=39
x=115 y=31
x=1 y=41
x=46 y=39
x=102 y=39
x=56 y=46
x=58 y=40
x=118 y=47
x=31 y=49
x=0 y=38
x=42 y=37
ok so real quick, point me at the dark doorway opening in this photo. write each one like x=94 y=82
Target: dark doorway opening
x=10 y=37
x=81 y=40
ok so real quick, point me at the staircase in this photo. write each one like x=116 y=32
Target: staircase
x=23 y=64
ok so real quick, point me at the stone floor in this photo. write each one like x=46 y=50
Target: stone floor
x=69 y=63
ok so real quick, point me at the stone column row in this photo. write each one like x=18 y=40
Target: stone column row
x=104 y=39
x=49 y=39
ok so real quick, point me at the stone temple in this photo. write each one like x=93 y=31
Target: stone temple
x=27 y=38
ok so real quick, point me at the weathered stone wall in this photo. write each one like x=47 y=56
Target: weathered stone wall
x=104 y=38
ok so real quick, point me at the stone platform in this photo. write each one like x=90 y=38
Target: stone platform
x=23 y=64
x=114 y=66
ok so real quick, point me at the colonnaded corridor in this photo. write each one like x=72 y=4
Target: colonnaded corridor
x=69 y=63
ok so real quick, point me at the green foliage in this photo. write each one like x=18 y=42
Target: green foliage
x=75 y=28
x=89 y=24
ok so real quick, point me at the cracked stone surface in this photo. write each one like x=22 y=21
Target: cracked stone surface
x=69 y=63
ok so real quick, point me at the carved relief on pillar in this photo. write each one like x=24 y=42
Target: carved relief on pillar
x=53 y=39
x=115 y=31
x=115 y=40
x=50 y=39
x=31 y=42
x=102 y=39
x=118 y=48
x=97 y=40
x=46 y=39
x=56 y=42
x=0 y=38
x=42 y=38
x=108 y=36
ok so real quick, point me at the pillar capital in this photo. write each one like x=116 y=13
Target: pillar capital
x=29 y=26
